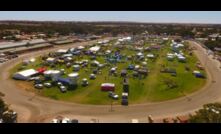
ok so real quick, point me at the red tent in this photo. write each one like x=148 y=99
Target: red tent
x=41 y=70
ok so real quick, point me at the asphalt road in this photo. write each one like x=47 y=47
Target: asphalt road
x=32 y=108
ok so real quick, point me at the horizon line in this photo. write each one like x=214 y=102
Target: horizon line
x=115 y=21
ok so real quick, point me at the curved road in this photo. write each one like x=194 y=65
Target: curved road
x=31 y=108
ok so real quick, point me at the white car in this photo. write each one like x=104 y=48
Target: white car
x=47 y=84
x=34 y=78
x=38 y=86
x=59 y=84
x=63 y=89
x=113 y=95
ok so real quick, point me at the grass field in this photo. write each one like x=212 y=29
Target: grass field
x=150 y=89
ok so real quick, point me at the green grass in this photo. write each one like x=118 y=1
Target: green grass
x=150 y=89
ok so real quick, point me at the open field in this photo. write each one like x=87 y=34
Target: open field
x=150 y=89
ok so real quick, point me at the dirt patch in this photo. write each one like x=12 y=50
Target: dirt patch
x=24 y=85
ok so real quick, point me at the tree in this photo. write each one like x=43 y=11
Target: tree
x=210 y=113
x=7 y=115
x=3 y=107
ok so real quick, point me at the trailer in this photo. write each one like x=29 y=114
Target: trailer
x=107 y=87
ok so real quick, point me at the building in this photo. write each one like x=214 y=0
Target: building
x=7 y=45
x=25 y=75
x=24 y=45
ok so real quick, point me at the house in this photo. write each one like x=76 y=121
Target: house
x=107 y=87
x=25 y=75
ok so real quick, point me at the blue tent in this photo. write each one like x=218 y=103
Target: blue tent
x=65 y=81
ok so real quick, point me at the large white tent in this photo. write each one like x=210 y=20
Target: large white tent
x=24 y=75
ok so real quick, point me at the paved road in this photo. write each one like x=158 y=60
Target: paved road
x=33 y=108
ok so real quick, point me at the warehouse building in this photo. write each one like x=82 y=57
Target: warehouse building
x=24 y=46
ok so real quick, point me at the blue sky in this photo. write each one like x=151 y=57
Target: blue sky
x=135 y=16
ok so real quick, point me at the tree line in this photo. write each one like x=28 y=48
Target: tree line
x=99 y=28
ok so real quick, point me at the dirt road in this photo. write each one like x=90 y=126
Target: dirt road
x=33 y=108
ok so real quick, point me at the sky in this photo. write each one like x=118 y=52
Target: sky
x=133 y=16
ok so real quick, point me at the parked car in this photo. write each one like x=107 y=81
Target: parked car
x=92 y=76
x=63 y=89
x=59 y=84
x=38 y=86
x=199 y=75
x=33 y=78
x=124 y=102
x=113 y=95
x=37 y=81
x=84 y=82
x=47 y=84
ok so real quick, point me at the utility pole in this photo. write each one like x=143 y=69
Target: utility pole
x=111 y=106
